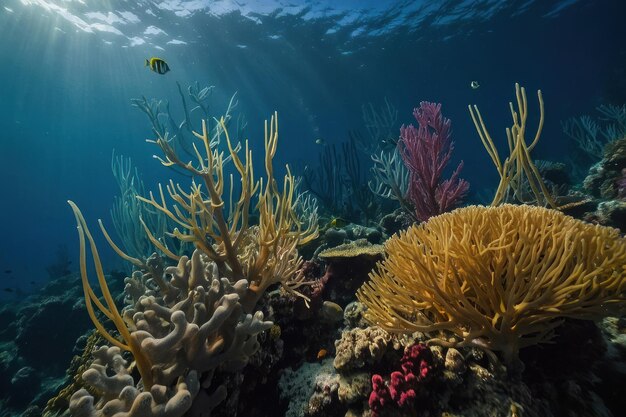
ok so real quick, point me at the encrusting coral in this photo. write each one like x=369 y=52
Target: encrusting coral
x=358 y=347
x=183 y=322
x=497 y=278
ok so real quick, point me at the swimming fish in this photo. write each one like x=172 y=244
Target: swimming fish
x=338 y=222
x=474 y=85
x=157 y=65
x=7 y=271
x=320 y=141
x=321 y=354
x=8 y=289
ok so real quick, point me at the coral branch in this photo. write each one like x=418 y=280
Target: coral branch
x=426 y=151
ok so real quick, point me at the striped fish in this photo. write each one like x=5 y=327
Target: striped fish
x=157 y=65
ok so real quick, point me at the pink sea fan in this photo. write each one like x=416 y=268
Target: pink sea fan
x=426 y=151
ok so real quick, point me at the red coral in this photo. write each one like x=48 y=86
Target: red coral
x=380 y=396
x=403 y=387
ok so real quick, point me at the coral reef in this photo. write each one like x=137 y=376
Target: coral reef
x=241 y=325
x=360 y=347
x=184 y=322
x=297 y=387
x=591 y=136
x=603 y=178
x=347 y=268
x=542 y=266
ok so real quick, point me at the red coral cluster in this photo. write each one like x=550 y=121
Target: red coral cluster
x=401 y=390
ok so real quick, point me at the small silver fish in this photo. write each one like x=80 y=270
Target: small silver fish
x=320 y=141
x=474 y=85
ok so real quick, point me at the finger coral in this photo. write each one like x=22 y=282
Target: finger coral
x=182 y=322
x=499 y=278
x=263 y=255
x=520 y=180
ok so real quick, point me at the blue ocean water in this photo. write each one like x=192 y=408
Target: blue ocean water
x=69 y=69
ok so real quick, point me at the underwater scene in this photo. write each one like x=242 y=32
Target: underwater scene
x=349 y=208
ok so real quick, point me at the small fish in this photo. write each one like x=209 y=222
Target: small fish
x=474 y=85
x=338 y=222
x=322 y=354
x=8 y=289
x=332 y=312
x=7 y=271
x=157 y=65
x=32 y=283
x=320 y=141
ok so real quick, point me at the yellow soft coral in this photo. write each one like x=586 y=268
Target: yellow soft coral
x=520 y=179
x=265 y=254
x=499 y=278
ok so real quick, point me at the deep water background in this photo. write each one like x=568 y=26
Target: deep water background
x=65 y=93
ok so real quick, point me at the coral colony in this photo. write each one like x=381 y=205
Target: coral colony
x=433 y=307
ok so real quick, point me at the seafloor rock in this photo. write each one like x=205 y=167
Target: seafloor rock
x=396 y=221
x=335 y=237
x=331 y=312
x=612 y=213
x=47 y=331
x=347 y=269
x=354 y=387
x=297 y=386
x=40 y=334
x=325 y=394
x=603 y=177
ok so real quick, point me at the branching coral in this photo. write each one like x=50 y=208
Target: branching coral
x=518 y=175
x=591 y=136
x=110 y=310
x=128 y=213
x=426 y=151
x=263 y=255
x=182 y=322
x=500 y=278
x=381 y=124
x=181 y=335
x=391 y=178
x=181 y=131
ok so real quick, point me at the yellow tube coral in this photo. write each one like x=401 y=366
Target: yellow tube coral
x=263 y=255
x=499 y=278
x=519 y=177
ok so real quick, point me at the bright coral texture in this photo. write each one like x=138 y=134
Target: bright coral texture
x=497 y=278
x=426 y=151
x=403 y=387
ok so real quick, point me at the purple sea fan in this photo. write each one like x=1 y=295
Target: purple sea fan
x=426 y=152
